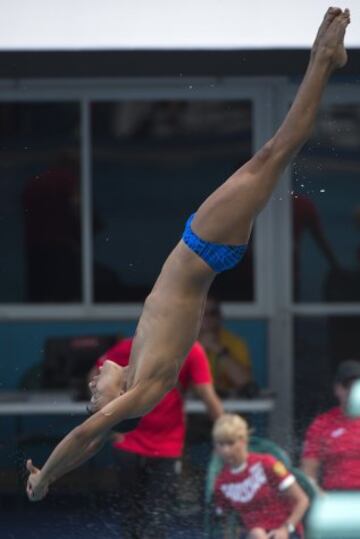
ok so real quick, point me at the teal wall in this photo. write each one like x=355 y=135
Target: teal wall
x=22 y=343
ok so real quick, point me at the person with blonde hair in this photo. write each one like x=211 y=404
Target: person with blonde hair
x=258 y=487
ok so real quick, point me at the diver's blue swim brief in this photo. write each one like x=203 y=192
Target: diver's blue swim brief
x=218 y=256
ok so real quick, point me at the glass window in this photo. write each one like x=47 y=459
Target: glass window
x=326 y=209
x=40 y=238
x=153 y=164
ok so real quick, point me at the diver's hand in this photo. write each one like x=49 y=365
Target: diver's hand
x=36 y=488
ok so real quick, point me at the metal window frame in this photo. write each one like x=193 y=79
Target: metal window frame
x=258 y=90
x=285 y=309
x=336 y=94
x=273 y=243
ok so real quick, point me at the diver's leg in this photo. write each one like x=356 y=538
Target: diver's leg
x=226 y=216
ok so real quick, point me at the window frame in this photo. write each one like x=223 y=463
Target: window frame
x=87 y=91
x=281 y=352
x=273 y=302
x=336 y=94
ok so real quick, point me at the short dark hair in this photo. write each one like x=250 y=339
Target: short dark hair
x=347 y=371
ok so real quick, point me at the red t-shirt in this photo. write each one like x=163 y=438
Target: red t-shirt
x=161 y=432
x=305 y=215
x=255 y=491
x=334 y=439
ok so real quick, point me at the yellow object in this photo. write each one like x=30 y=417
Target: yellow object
x=280 y=469
x=238 y=351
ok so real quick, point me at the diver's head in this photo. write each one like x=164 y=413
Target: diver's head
x=109 y=384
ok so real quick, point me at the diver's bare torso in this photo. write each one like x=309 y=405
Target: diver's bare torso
x=171 y=317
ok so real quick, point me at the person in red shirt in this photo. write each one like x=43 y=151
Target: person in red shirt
x=148 y=457
x=258 y=487
x=331 y=454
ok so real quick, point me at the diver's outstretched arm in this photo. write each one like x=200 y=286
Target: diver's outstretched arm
x=88 y=438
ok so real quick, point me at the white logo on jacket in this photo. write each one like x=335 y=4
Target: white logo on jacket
x=338 y=432
x=244 y=491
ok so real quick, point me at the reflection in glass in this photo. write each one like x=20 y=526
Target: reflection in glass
x=40 y=237
x=326 y=209
x=153 y=164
